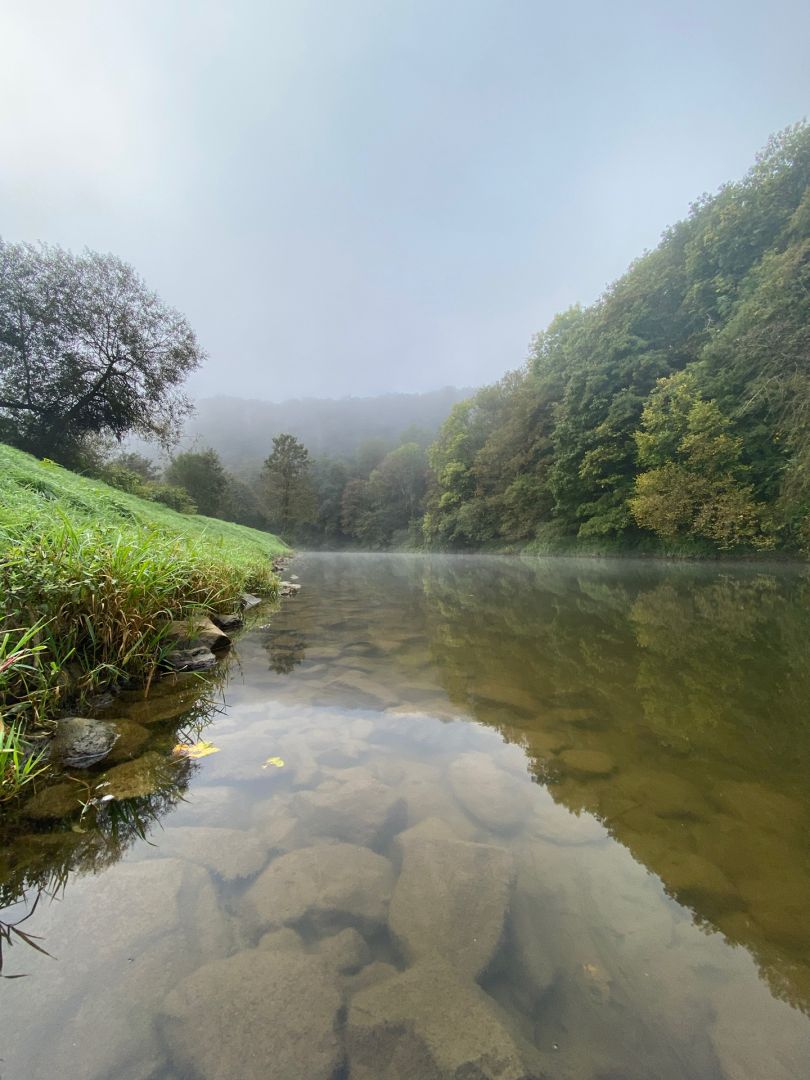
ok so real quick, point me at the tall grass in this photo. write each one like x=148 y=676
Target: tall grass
x=90 y=577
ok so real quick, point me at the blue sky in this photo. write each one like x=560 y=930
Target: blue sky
x=356 y=197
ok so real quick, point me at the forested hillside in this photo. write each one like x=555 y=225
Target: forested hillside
x=677 y=406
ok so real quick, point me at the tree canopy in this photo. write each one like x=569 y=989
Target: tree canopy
x=86 y=349
x=678 y=404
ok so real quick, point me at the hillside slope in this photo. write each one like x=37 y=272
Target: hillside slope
x=41 y=494
x=90 y=578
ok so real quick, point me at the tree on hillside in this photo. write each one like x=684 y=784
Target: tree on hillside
x=695 y=484
x=288 y=492
x=86 y=349
x=202 y=476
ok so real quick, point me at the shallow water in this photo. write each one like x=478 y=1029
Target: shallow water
x=534 y=818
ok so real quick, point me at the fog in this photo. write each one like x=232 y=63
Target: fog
x=366 y=197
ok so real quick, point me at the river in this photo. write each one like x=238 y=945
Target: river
x=466 y=817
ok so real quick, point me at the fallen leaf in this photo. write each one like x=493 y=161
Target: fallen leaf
x=276 y=761
x=195 y=750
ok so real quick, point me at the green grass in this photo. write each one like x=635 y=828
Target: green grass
x=90 y=576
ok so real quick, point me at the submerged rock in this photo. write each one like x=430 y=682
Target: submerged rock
x=80 y=742
x=587 y=763
x=492 y=796
x=428 y=1023
x=198 y=659
x=135 y=779
x=268 y=1012
x=346 y=951
x=147 y=924
x=451 y=898
x=229 y=853
x=57 y=801
x=356 y=808
x=288 y=588
x=742 y=1016
x=324 y=886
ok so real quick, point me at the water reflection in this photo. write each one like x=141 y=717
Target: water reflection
x=532 y=800
x=671 y=704
x=73 y=826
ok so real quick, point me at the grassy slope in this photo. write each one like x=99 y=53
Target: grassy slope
x=98 y=573
x=36 y=494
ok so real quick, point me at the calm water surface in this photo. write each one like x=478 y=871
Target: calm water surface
x=534 y=819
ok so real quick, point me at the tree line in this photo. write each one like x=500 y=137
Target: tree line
x=675 y=409
x=676 y=406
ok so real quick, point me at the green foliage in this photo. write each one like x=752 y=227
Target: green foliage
x=201 y=476
x=600 y=439
x=95 y=573
x=86 y=350
x=695 y=483
x=19 y=765
x=288 y=493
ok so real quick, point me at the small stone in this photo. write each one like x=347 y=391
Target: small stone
x=489 y=794
x=346 y=952
x=230 y=621
x=80 y=742
x=248 y=601
x=199 y=659
x=587 y=763
x=288 y=588
x=197 y=632
x=325 y=886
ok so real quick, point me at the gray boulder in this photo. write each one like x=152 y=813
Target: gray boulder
x=327 y=886
x=451 y=898
x=80 y=742
x=196 y=632
x=248 y=601
x=263 y=1012
x=198 y=659
x=229 y=853
x=427 y=1023
x=355 y=807
x=231 y=621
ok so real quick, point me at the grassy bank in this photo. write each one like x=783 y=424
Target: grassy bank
x=89 y=577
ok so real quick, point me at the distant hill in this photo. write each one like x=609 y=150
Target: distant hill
x=242 y=430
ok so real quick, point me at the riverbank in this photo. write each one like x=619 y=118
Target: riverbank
x=91 y=579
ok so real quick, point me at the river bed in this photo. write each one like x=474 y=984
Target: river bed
x=467 y=817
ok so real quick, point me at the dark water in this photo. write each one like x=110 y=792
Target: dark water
x=534 y=819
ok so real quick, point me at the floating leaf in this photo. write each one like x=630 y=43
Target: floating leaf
x=277 y=762
x=194 y=750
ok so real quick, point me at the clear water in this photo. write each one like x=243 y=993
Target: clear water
x=534 y=819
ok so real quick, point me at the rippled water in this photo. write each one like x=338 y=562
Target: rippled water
x=534 y=819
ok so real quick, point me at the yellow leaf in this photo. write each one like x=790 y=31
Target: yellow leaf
x=195 y=750
x=277 y=761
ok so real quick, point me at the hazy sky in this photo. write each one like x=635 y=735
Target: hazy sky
x=356 y=196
